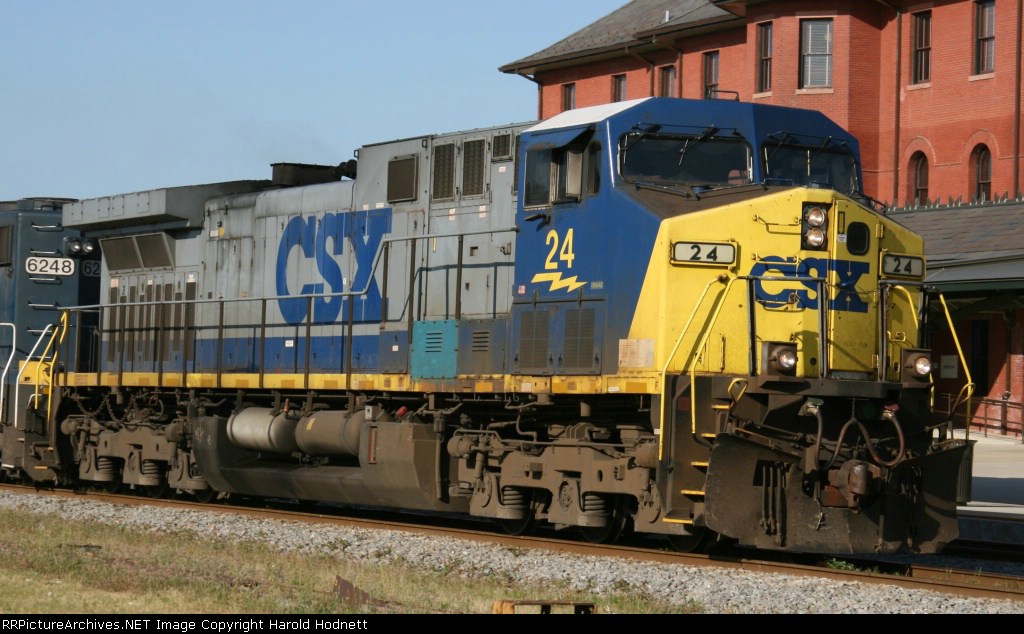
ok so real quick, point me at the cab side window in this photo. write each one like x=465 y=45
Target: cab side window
x=562 y=174
x=537 y=189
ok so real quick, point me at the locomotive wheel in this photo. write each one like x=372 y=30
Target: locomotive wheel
x=525 y=525
x=157 y=491
x=618 y=525
x=516 y=528
x=698 y=541
x=204 y=495
x=114 y=486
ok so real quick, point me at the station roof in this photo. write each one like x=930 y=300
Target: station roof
x=975 y=252
x=634 y=25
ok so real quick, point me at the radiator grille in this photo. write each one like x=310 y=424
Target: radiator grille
x=473 y=168
x=501 y=150
x=444 y=172
x=579 y=339
x=533 y=341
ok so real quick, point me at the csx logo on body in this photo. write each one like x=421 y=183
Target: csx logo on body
x=308 y=250
x=844 y=297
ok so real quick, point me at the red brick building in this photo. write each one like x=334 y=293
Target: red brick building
x=932 y=90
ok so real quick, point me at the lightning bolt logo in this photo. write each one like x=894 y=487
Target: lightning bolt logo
x=557 y=282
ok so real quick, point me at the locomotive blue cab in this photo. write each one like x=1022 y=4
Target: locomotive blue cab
x=44 y=269
x=672 y=317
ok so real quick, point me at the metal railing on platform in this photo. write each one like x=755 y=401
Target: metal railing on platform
x=989 y=416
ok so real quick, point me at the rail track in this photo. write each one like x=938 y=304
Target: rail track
x=964 y=579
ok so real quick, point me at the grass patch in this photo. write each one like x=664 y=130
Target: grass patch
x=57 y=566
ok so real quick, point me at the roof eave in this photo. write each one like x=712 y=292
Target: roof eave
x=690 y=28
x=738 y=7
x=645 y=41
x=573 y=59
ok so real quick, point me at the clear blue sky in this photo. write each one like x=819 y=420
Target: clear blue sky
x=102 y=97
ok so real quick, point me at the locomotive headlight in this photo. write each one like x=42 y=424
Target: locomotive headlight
x=780 y=358
x=814 y=238
x=922 y=366
x=786 y=359
x=74 y=246
x=815 y=216
x=917 y=366
x=88 y=247
x=814 y=226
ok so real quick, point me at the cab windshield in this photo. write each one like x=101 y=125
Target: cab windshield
x=703 y=159
x=829 y=165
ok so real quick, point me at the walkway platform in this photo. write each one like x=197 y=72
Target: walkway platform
x=996 y=502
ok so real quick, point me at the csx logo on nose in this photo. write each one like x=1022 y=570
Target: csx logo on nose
x=845 y=291
x=318 y=240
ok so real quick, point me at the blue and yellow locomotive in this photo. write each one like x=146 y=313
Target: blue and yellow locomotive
x=673 y=317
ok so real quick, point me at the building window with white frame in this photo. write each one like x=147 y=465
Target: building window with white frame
x=984 y=37
x=816 y=53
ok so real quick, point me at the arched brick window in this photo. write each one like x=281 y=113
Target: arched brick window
x=918 y=179
x=981 y=173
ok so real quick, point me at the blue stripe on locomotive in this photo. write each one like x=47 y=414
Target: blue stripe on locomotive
x=327 y=354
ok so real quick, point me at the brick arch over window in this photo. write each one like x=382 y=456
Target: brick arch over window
x=998 y=175
x=980 y=170
x=917 y=179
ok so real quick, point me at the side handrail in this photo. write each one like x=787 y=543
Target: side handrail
x=7 y=366
x=968 y=389
x=271 y=298
x=382 y=249
x=21 y=371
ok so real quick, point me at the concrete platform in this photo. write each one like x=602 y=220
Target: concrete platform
x=998 y=471
x=996 y=504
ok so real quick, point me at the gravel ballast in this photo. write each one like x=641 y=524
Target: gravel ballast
x=718 y=590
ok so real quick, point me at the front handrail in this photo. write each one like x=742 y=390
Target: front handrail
x=21 y=371
x=58 y=337
x=672 y=354
x=690 y=367
x=686 y=326
x=692 y=361
x=890 y=340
